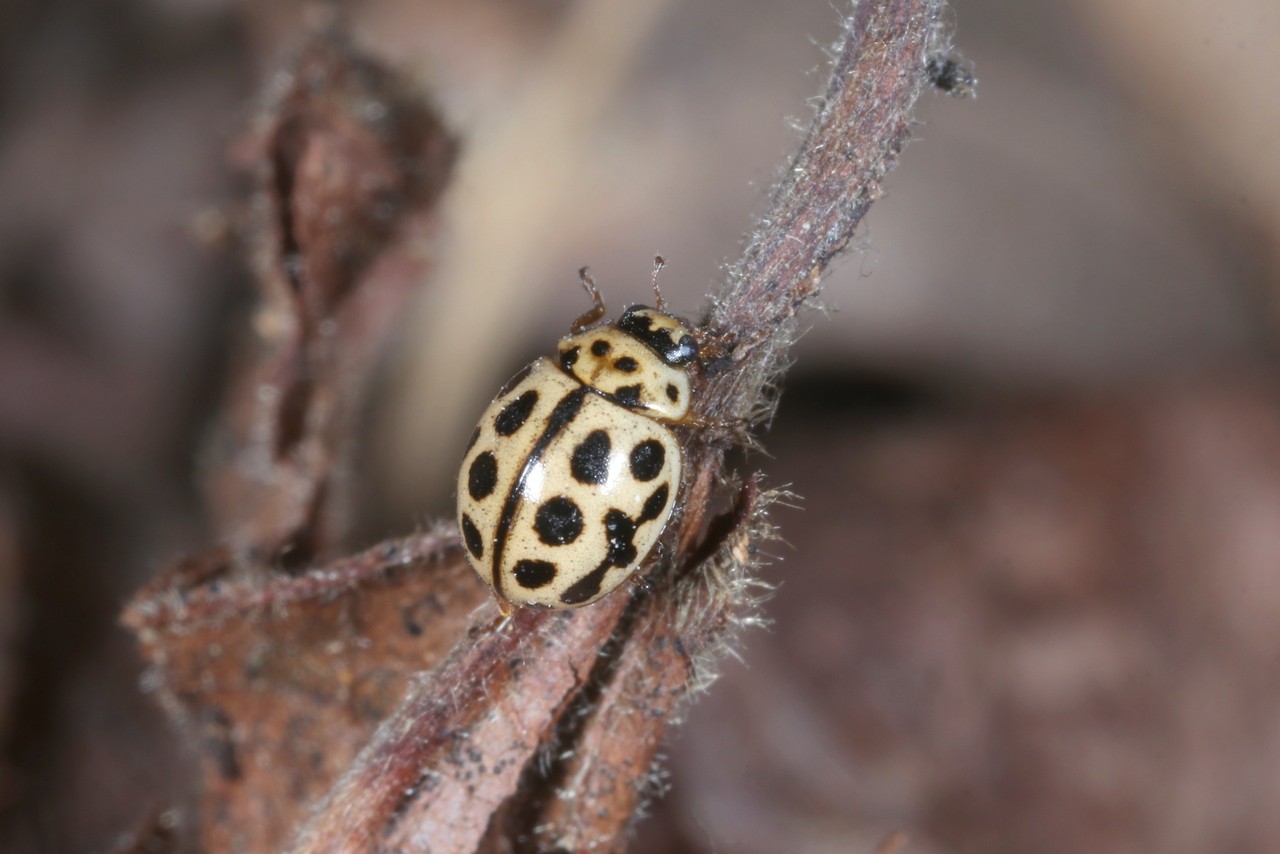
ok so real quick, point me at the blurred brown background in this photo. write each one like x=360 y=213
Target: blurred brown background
x=1030 y=598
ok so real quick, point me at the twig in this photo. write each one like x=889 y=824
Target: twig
x=861 y=127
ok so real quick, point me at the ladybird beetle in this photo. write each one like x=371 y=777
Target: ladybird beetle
x=573 y=471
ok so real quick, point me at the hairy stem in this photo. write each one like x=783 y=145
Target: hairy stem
x=860 y=129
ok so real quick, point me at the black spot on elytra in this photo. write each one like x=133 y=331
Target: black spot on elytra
x=673 y=393
x=558 y=522
x=482 y=477
x=515 y=413
x=532 y=574
x=600 y=347
x=586 y=587
x=471 y=536
x=626 y=364
x=590 y=460
x=647 y=459
x=654 y=505
x=471 y=443
x=569 y=358
x=562 y=415
x=628 y=395
x=621 y=532
x=510 y=385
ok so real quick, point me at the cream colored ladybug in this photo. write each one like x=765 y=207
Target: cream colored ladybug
x=572 y=472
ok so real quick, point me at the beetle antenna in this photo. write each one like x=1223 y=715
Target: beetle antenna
x=658 y=263
x=596 y=311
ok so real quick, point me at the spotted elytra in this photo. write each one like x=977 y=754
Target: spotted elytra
x=572 y=472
